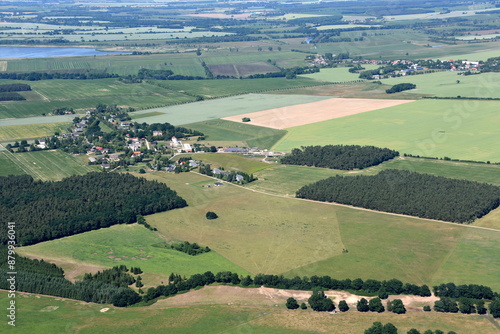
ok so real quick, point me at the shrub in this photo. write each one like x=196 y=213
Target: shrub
x=211 y=215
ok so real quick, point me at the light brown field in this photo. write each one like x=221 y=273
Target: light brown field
x=301 y=114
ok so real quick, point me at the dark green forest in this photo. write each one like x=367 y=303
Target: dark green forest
x=50 y=210
x=345 y=157
x=409 y=193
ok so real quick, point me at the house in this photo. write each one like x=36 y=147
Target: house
x=136 y=153
x=175 y=142
x=193 y=163
x=114 y=157
x=187 y=147
x=239 y=178
x=78 y=130
x=106 y=166
x=170 y=168
x=235 y=149
x=157 y=133
x=92 y=159
x=105 y=150
x=216 y=171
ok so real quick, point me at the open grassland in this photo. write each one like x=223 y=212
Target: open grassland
x=229 y=87
x=213 y=109
x=47 y=165
x=339 y=74
x=300 y=114
x=219 y=58
x=46 y=315
x=231 y=162
x=30 y=131
x=436 y=128
x=263 y=233
x=131 y=245
x=254 y=136
x=287 y=179
x=7 y=166
x=444 y=84
x=479 y=55
x=83 y=94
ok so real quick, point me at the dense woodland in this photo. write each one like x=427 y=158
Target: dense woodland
x=409 y=193
x=50 y=210
x=345 y=157
x=400 y=87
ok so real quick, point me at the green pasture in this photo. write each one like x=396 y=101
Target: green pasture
x=30 y=131
x=252 y=56
x=229 y=87
x=230 y=106
x=479 y=55
x=37 y=120
x=344 y=26
x=436 y=128
x=83 y=94
x=7 y=166
x=46 y=315
x=444 y=84
x=339 y=74
x=131 y=245
x=47 y=165
x=231 y=161
x=222 y=130
x=272 y=234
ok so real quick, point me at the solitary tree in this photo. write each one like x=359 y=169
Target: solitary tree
x=211 y=215
x=291 y=304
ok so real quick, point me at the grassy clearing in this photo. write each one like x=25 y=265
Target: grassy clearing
x=48 y=165
x=232 y=162
x=263 y=233
x=229 y=87
x=131 y=245
x=221 y=130
x=444 y=84
x=339 y=74
x=230 y=106
x=46 y=315
x=436 y=128
x=30 y=131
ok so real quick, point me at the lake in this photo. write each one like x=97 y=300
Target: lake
x=42 y=52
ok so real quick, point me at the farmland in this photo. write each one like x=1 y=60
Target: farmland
x=213 y=109
x=456 y=129
x=233 y=162
x=30 y=131
x=133 y=246
x=340 y=74
x=265 y=233
x=47 y=165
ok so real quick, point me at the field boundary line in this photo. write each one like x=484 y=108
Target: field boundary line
x=350 y=206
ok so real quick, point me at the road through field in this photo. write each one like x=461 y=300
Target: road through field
x=350 y=206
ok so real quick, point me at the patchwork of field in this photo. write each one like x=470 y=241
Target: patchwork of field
x=131 y=245
x=339 y=74
x=436 y=128
x=230 y=87
x=83 y=94
x=444 y=84
x=11 y=133
x=213 y=109
x=253 y=136
x=46 y=315
x=272 y=234
x=242 y=70
x=301 y=114
x=46 y=165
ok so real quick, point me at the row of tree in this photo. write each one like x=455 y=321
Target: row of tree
x=15 y=87
x=378 y=328
x=190 y=248
x=345 y=157
x=400 y=87
x=50 y=210
x=410 y=193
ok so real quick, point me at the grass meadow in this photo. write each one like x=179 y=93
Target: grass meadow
x=232 y=162
x=30 y=131
x=434 y=128
x=45 y=165
x=444 y=84
x=339 y=74
x=46 y=315
x=214 y=109
x=131 y=245
x=222 y=130
x=264 y=233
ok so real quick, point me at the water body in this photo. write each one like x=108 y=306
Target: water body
x=42 y=52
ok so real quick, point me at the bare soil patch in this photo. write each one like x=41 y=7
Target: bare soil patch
x=301 y=114
x=223 y=69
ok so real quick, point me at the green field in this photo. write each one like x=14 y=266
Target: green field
x=436 y=128
x=339 y=74
x=131 y=245
x=230 y=87
x=47 y=315
x=45 y=165
x=7 y=166
x=263 y=233
x=254 y=136
x=83 y=94
x=230 y=106
x=479 y=55
x=30 y=131
x=444 y=84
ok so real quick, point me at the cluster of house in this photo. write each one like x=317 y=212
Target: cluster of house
x=171 y=168
x=179 y=146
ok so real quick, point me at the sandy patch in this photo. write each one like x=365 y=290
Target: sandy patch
x=104 y=309
x=301 y=114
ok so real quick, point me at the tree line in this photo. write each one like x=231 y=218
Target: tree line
x=400 y=87
x=15 y=87
x=50 y=210
x=345 y=157
x=409 y=193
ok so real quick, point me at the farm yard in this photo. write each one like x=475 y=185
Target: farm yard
x=301 y=114
x=433 y=128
